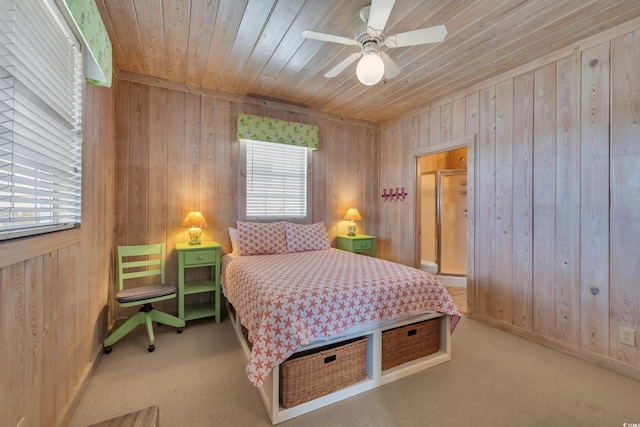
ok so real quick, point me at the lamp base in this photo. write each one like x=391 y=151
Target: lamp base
x=194 y=235
x=351 y=229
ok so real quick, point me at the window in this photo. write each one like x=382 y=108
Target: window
x=40 y=119
x=276 y=180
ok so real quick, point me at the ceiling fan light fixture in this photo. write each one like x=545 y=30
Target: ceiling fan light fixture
x=375 y=63
x=370 y=69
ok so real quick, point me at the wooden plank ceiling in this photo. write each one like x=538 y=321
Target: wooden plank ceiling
x=255 y=48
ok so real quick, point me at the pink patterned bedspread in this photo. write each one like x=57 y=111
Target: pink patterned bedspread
x=286 y=301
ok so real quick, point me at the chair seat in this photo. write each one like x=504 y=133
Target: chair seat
x=144 y=292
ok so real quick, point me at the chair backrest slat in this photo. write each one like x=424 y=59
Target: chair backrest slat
x=145 y=273
x=156 y=252
x=138 y=263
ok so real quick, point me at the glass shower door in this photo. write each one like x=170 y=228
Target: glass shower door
x=453 y=222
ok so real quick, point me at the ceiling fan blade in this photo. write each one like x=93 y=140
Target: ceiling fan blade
x=327 y=37
x=342 y=65
x=378 y=15
x=412 y=38
x=391 y=70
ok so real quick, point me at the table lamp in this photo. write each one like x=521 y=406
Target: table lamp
x=194 y=220
x=352 y=214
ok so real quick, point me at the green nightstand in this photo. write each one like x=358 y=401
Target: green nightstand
x=358 y=243
x=206 y=254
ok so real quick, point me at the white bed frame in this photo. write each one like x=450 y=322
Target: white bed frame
x=269 y=391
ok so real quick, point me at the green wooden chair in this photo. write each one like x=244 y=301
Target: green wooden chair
x=136 y=262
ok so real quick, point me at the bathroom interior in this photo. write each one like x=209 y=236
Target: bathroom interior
x=443 y=219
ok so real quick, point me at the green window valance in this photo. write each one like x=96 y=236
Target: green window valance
x=260 y=128
x=87 y=18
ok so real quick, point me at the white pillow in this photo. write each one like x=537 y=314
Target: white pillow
x=233 y=236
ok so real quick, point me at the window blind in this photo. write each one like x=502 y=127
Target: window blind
x=40 y=119
x=276 y=182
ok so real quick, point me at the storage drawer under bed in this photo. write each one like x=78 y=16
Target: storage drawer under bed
x=410 y=342
x=314 y=373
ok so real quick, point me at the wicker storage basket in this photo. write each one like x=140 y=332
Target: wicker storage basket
x=400 y=345
x=308 y=375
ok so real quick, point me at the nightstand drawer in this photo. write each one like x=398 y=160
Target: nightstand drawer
x=358 y=244
x=199 y=257
x=362 y=244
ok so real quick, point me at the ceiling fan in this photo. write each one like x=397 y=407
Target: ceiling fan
x=374 y=62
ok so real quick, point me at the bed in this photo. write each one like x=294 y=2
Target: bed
x=288 y=291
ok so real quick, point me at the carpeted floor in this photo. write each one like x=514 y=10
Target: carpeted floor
x=494 y=379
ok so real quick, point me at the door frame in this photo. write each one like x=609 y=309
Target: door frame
x=469 y=142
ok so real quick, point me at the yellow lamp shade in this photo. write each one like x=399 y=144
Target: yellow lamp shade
x=195 y=221
x=353 y=214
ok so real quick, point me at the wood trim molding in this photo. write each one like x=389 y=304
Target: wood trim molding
x=19 y=250
x=465 y=141
x=586 y=356
x=197 y=90
x=83 y=384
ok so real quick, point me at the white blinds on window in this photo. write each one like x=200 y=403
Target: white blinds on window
x=276 y=180
x=40 y=119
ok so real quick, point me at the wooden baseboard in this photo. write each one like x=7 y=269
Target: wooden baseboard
x=586 y=356
x=82 y=387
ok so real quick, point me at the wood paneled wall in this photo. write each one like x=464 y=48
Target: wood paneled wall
x=177 y=151
x=557 y=190
x=557 y=196
x=53 y=290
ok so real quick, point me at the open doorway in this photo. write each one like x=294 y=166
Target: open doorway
x=443 y=199
x=444 y=242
